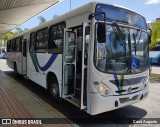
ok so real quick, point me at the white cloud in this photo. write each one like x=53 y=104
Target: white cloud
x=152 y=1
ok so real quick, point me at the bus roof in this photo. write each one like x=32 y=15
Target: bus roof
x=78 y=11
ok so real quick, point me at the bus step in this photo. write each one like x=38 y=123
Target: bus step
x=75 y=101
x=26 y=77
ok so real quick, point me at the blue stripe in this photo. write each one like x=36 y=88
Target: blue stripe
x=48 y=64
x=117 y=81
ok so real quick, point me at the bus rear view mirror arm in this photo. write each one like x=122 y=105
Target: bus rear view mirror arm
x=150 y=34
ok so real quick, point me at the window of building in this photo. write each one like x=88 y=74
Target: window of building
x=55 y=44
x=18 y=45
x=41 y=40
x=32 y=42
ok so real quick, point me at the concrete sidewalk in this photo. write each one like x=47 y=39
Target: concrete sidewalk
x=19 y=102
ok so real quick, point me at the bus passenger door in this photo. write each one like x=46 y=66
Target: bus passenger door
x=86 y=37
x=69 y=64
x=24 y=54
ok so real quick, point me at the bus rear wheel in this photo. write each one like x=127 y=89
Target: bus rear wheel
x=53 y=88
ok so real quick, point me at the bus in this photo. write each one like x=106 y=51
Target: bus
x=89 y=56
x=154 y=54
x=3 y=52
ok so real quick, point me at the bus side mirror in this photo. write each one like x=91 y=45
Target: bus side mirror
x=101 y=32
x=149 y=31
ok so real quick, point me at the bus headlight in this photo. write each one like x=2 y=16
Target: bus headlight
x=103 y=90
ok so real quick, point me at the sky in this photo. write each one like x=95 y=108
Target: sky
x=150 y=9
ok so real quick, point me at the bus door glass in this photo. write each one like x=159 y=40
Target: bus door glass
x=69 y=64
x=86 y=40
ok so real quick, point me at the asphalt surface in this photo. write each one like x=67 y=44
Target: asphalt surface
x=148 y=108
x=155 y=69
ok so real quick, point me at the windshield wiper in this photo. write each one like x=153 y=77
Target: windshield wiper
x=120 y=34
x=137 y=42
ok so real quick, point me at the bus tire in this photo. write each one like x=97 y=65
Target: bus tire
x=53 y=87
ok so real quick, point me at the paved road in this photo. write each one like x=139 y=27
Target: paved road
x=155 y=69
x=148 y=108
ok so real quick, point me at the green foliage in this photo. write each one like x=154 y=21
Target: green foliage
x=6 y=36
x=155 y=33
x=4 y=44
x=18 y=30
x=41 y=20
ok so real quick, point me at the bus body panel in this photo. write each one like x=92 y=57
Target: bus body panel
x=102 y=104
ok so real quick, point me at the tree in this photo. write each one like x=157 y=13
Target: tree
x=18 y=30
x=41 y=20
x=155 y=33
x=5 y=37
x=54 y=16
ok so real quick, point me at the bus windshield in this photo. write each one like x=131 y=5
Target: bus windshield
x=115 y=56
x=120 y=15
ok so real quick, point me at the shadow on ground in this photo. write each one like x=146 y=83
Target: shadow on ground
x=75 y=114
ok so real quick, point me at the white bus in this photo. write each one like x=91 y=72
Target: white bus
x=89 y=57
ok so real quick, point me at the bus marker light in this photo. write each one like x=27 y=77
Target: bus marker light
x=106 y=92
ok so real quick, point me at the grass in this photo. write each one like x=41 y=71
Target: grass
x=155 y=77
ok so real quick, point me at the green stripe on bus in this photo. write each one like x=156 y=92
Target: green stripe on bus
x=121 y=83
x=34 y=62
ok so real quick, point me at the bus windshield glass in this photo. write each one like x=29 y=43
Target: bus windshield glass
x=129 y=56
x=120 y=15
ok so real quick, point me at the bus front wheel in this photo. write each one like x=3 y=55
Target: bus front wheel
x=53 y=88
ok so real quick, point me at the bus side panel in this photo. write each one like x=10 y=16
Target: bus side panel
x=10 y=59
x=38 y=69
x=18 y=60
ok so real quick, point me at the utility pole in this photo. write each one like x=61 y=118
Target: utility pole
x=70 y=5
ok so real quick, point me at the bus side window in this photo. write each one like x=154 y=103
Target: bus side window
x=8 y=46
x=18 y=45
x=13 y=45
x=32 y=42
x=55 y=43
x=41 y=40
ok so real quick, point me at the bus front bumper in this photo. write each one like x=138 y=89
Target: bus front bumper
x=100 y=104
